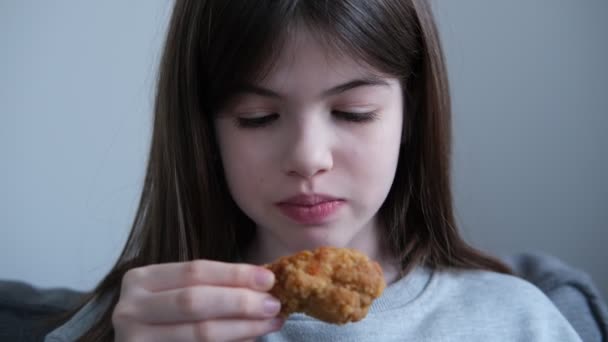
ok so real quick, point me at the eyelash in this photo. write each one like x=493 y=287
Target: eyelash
x=267 y=119
x=256 y=122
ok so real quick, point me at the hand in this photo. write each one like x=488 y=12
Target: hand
x=199 y=300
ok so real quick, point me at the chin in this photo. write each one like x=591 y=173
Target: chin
x=314 y=238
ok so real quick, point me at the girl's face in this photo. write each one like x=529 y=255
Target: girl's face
x=310 y=152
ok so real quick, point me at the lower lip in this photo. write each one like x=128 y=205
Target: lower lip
x=314 y=214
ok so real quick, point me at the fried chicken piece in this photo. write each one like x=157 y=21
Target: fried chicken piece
x=336 y=285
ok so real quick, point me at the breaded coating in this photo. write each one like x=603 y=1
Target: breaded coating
x=336 y=285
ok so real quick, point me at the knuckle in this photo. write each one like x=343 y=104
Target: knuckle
x=194 y=272
x=133 y=276
x=121 y=315
x=187 y=302
x=244 y=304
x=203 y=331
x=241 y=274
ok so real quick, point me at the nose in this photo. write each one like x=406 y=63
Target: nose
x=308 y=150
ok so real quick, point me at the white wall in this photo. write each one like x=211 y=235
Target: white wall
x=529 y=83
x=530 y=95
x=76 y=90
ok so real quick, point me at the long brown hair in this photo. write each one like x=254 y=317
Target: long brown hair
x=186 y=212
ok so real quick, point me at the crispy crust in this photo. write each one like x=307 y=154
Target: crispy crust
x=336 y=285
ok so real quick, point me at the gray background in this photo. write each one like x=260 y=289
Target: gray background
x=528 y=78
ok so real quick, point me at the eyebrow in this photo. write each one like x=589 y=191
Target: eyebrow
x=248 y=88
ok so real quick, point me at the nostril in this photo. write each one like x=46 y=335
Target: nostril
x=306 y=174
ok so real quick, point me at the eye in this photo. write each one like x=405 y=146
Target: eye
x=257 y=122
x=356 y=117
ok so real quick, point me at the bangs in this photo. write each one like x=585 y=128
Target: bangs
x=239 y=41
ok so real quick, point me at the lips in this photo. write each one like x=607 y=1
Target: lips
x=310 y=209
x=312 y=199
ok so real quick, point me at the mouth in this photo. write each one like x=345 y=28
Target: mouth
x=310 y=209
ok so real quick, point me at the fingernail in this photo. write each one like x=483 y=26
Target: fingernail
x=264 y=278
x=271 y=306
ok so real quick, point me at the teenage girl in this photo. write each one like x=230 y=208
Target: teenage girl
x=283 y=125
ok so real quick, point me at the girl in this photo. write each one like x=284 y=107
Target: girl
x=287 y=125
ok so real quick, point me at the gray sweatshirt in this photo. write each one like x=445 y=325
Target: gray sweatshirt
x=426 y=305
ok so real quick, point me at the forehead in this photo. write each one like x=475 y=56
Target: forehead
x=305 y=60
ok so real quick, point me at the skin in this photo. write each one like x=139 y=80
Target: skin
x=307 y=147
x=200 y=300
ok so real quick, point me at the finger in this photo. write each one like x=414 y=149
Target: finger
x=214 y=330
x=205 y=302
x=160 y=277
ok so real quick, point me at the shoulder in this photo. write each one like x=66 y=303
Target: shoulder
x=494 y=290
x=504 y=302
x=480 y=283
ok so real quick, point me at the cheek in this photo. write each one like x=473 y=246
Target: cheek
x=376 y=150
x=372 y=161
x=245 y=166
x=376 y=165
